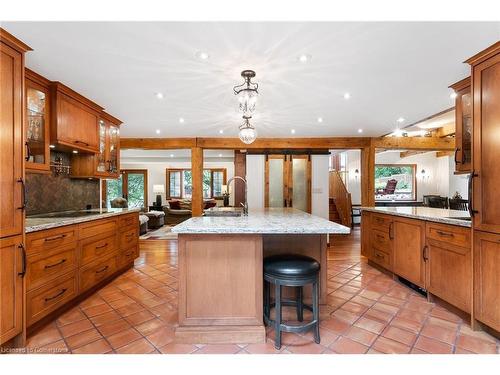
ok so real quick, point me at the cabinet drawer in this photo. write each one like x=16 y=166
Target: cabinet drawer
x=98 y=226
x=96 y=272
x=381 y=240
x=129 y=220
x=46 y=266
x=382 y=258
x=129 y=238
x=51 y=238
x=128 y=256
x=381 y=222
x=450 y=234
x=94 y=248
x=44 y=300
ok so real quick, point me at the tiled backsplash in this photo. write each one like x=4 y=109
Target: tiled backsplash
x=51 y=192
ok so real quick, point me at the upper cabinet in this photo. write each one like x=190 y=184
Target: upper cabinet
x=463 y=125
x=105 y=163
x=37 y=153
x=75 y=120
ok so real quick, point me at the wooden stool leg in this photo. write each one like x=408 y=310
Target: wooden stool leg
x=315 y=302
x=277 y=325
x=300 y=304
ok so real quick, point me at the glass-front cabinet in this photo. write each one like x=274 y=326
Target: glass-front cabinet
x=107 y=160
x=463 y=125
x=37 y=151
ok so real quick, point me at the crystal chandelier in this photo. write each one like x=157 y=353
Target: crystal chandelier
x=247 y=134
x=247 y=93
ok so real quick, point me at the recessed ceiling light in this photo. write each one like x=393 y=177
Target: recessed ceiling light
x=171 y=155
x=221 y=131
x=292 y=131
x=181 y=120
x=320 y=119
x=453 y=95
x=347 y=96
x=159 y=95
x=360 y=130
x=75 y=152
x=400 y=120
x=158 y=131
x=52 y=146
x=304 y=58
x=220 y=155
x=202 y=55
x=398 y=132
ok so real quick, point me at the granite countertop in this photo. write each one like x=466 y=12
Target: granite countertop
x=40 y=222
x=438 y=215
x=264 y=221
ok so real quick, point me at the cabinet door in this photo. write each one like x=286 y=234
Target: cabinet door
x=37 y=127
x=11 y=288
x=408 y=247
x=100 y=158
x=463 y=136
x=487 y=278
x=365 y=234
x=486 y=97
x=113 y=157
x=77 y=126
x=11 y=142
x=449 y=273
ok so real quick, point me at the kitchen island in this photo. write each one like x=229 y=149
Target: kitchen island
x=220 y=269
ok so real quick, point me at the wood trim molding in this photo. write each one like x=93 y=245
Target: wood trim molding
x=13 y=42
x=462 y=84
x=484 y=55
x=415 y=143
x=157 y=143
x=57 y=86
x=106 y=116
x=37 y=78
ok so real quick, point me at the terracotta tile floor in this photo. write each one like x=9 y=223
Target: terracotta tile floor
x=367 y=312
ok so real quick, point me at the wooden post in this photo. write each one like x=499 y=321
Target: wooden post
x=197 y=181
x=368 y=176
x=240 y=169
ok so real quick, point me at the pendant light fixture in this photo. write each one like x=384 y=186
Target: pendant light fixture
x=247 y=133
x=247 y=93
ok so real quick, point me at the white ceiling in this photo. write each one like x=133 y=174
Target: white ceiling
x=391 y=70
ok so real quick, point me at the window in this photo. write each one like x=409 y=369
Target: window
x=395 y=182
x=131 y=185
x=179 y=182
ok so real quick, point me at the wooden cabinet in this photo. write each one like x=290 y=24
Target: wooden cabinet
x=75 y=120
x=37 y=122
x=463 y=125
x=105 y=163
x=486 y=117
x=365 y=234
x=11 y=291
x=11 y=139
x=64 y=262
x=409 y=242
x=449 y=268
x=487 y=278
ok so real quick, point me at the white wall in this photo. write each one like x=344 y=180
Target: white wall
x=354 y=181
x=319 y=183
x=157 y=172
x=457 y=183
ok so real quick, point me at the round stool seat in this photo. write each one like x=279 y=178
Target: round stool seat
x=290 y=265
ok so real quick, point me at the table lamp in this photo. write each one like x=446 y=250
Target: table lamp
x=159 y=190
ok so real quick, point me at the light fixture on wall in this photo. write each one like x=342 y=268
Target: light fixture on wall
x=247 y=133
x=356 y=173
x=247 y=93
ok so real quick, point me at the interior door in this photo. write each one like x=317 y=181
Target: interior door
x=131 y=185
x=288 y=181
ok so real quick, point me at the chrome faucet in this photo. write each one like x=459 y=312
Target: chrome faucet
x=245 y=205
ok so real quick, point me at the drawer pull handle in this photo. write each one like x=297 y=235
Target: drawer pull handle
x=380 y=236
x=445 y=234
x=82 y=143
x=48 y=239
x=100 y=247
x=102 y=269
x=129 y=253
x=425 y=257
x=391 y=231
x=130 y=234
x=23 y=255
x=57 y=295
x=55 y=264
x=379 y=255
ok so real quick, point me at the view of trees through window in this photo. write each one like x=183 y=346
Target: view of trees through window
x=403 y=189
x=130 y=185
x=180 y=184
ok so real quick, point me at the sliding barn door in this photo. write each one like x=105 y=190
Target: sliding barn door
x=288 y=181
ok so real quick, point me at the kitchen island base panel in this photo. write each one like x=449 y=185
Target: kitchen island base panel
x=221 y=283
x=221 y=334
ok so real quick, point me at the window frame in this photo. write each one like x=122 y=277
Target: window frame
x=414 y=180
x=124 y=174
x=182 y=170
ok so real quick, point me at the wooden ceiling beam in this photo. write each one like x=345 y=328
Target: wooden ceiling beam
x=445 y=131
x=440 y=154
x=285 y=143
x=415 y=143
x=157 y=143
x=405 y=154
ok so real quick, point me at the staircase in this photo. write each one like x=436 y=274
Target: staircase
x=340 y=205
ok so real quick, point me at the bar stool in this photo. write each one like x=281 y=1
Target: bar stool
x=294 y=271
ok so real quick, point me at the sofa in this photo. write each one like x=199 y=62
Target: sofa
x=179 y=210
